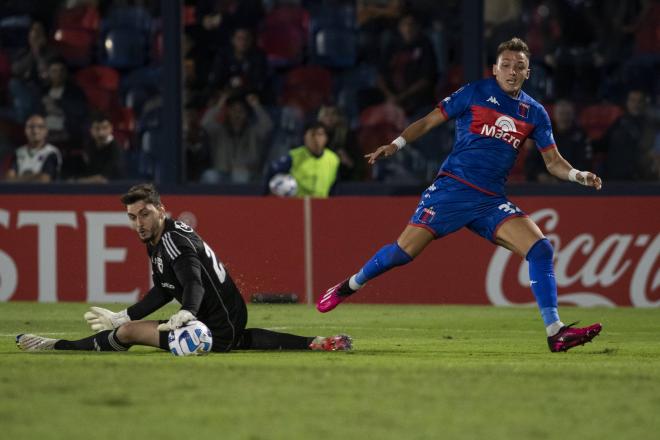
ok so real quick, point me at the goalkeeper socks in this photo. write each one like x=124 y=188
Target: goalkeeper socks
x=102 y=341
x=542 y=281
x=389 y=256
x=260 y=339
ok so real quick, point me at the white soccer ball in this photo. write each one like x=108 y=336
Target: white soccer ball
x=192 y=339
x=283 y=185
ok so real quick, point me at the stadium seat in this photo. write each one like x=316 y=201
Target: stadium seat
x=334 y=47
x=128 y=17
x=385 y=113
x=79 y=17
x=124 y=48
x=307 y=87
x=14 y=31
x=123 y=121
x=333 y=34
x=140 y=85
x=596 y=119
x=75 y=45
x=101 y=86
x=283 y=35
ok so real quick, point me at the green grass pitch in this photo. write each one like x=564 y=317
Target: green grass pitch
x=417 y=372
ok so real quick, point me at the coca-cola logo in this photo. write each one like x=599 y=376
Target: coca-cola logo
x=607 y=263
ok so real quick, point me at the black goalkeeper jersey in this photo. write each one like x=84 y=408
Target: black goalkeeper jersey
x=185 y=268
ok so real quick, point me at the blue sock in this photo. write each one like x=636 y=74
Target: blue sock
x=389 y=256
x=542 y=279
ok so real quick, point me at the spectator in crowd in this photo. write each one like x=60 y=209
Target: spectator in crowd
x=374 y=19
x=102 y=157
x=408 y=69
x=627 y=157
x=196 y=145
x=240 y=68
x=237 y=143
x=64 y=104
x=36 y=161
x=573 y=143
x=30 y=73
x=342 y=140
x=216 y=20
x=314 y=166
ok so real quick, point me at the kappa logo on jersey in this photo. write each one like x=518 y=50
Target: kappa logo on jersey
x=490 y=123
x=493 y=100
x=168 y=286
x=182 y=226
x=159 y=263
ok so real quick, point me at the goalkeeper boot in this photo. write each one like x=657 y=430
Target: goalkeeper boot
x=568 y=336
x=333 y=297
x=35 y=343
x=332 y=343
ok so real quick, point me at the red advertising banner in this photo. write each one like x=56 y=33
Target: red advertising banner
x=81 y=248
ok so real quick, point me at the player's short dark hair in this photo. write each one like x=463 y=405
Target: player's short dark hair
x=515 y=44
x=145 y=192
x=314 y=125
x=98 y=117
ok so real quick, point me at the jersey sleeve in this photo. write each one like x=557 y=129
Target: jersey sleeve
x=456 y=103
x=542 y=133
x=187 y=269
x=152 y=301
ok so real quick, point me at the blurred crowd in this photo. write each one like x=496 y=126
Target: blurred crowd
x=81 y=84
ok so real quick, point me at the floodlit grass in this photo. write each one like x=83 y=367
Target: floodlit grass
x=417 y=372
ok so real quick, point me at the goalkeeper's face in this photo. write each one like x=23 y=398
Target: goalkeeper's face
x=147 y=220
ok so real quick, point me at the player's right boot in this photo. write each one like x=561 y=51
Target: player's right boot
x=333 y=297
x=568 y=336
x=35 y=343
x=332 y=343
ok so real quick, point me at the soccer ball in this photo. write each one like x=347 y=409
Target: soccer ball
x=192 y=339
x=283 y=185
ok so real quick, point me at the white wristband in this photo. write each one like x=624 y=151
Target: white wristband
x=400 y=142
x=573 y=175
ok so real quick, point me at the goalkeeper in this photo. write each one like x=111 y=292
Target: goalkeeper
x=184 y=268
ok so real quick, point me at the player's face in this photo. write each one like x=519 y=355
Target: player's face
x=147 y=220
x=511 y=71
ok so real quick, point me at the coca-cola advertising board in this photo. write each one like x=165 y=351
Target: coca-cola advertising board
x=81 y=248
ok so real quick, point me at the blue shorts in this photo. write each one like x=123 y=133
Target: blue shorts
x=448 y=205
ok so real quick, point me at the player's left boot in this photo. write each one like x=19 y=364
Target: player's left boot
x=333 y=297
x=332 y=343
x=568 y=336
x=35 y=343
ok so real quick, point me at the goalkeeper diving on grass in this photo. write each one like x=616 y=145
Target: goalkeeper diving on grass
x=184 y=268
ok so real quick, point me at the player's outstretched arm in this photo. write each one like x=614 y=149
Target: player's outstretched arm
x=413 y=132
x=560 y=168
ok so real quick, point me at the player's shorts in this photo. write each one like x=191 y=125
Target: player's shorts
x=448 y=205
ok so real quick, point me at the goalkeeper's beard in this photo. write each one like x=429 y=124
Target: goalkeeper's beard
x=145 y=238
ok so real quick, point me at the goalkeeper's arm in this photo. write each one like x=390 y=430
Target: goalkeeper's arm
x=100 y=319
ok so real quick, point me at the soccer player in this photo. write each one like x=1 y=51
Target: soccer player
x=184 y=268
x=493 y=119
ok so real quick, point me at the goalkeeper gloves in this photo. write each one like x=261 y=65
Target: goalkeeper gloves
x=179 y=319
x=103 y=319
